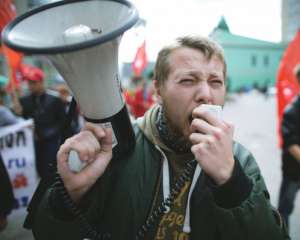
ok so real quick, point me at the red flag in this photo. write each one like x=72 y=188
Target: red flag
x=140 y=60
x=287 y=87
x=14 y=60
x=7 y=13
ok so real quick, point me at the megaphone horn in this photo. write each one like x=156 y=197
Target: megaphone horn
x=81 y=38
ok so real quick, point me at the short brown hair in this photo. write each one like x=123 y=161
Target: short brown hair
x=205 y=45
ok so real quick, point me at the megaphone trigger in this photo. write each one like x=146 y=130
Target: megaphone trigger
x=114 y=139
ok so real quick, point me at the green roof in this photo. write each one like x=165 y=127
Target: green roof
x=222 y=25
x=222 y=35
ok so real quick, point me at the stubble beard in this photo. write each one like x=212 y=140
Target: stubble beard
x=171 y=134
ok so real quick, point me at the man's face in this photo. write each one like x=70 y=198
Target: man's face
x=193 y=80
x=36 y=87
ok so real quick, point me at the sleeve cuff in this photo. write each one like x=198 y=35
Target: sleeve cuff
x=56 y=203
x=236 y=190
x=63 y=207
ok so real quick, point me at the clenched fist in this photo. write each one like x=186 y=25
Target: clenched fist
x=212 y=143
x=94 y=147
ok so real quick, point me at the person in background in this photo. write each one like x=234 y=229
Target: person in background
x=140 y=98
x=290 y=129
x=7 y=117
x=66 y=97
x=184 y=155
x=6 y=195
x=6 y=192
x=48 y=113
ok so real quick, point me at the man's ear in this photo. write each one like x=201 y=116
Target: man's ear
x=157 y=89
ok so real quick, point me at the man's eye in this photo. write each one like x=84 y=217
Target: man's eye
x=186 y=81
x=216 y=83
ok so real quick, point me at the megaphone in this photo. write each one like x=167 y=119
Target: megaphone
x=81 y=38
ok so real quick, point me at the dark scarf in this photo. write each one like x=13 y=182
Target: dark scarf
x=168 y=137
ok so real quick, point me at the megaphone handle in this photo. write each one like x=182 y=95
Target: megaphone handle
x=74 y=162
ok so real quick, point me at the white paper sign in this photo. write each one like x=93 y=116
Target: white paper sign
x=17 y=150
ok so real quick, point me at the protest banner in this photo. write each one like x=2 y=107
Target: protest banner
x=17 y=150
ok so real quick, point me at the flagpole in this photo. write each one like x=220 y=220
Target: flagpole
x=14 y=92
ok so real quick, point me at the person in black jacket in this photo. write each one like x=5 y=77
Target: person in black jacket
x=48 y=113
x=185 y=177
x=6 y=192
x=290 y=155
x=6 y=195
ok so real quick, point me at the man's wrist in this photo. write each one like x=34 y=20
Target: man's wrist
x=224 y=175
x=236 y=190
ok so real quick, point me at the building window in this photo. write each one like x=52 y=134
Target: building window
x=266 y=60
x=253 y=60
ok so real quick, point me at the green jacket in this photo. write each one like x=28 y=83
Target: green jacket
x=121 y=200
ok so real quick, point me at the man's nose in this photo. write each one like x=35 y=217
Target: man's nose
x=203 y=93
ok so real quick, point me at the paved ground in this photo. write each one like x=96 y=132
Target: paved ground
x=255 y=127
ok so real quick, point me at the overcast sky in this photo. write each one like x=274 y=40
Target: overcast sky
x=168 y=19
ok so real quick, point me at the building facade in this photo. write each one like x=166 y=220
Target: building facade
x=250 y=62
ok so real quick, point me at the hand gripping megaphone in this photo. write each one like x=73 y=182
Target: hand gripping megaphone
x=81 y=38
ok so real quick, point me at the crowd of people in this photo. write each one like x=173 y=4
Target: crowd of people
x=48 y=109
x=186 y=176
x=139 y=97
